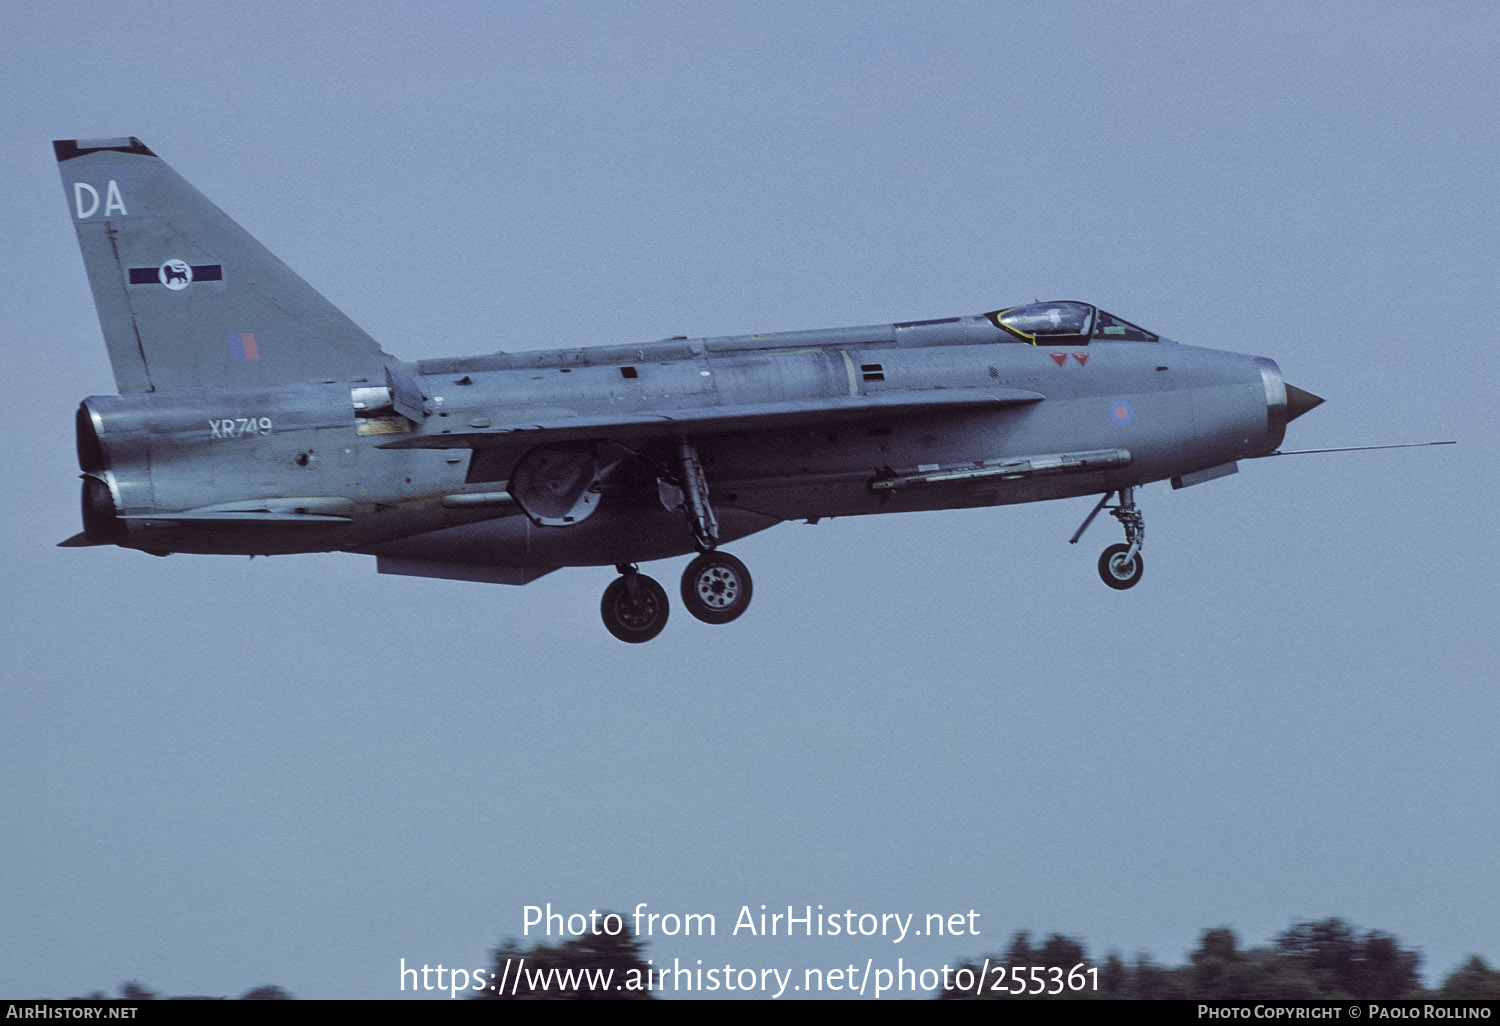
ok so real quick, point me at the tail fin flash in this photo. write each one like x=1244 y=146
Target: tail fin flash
x=186 y=297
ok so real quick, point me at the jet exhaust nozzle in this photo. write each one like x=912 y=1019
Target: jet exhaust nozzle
x=101 y=522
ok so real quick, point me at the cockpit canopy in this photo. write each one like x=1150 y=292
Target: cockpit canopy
x=1067 y=324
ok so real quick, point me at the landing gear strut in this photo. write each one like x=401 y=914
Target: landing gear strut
x=716 y=587
x=1121 y=566
x=634 y=607
x=695 y=503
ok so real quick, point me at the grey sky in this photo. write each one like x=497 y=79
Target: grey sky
x=217 y=773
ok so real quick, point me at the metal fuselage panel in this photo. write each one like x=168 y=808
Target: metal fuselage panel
x=1176 y=409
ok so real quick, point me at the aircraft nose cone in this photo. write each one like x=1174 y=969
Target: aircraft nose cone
x=1299 y=401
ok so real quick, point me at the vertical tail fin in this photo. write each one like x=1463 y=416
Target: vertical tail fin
x=186 y=297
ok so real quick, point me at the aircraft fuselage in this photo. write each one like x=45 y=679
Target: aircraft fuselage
x=306 y=451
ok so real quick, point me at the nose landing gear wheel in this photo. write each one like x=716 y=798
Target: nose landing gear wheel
x=1119 y=573
x=634 y=608
x=716 y=587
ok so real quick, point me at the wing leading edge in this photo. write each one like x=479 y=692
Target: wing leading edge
x=726 y=419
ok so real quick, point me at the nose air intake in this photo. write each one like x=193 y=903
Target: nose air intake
x=1299 y=401
x=1284 y=403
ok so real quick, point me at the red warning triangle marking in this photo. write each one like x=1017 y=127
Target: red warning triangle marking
x=1059 y=358
x=1082 y=358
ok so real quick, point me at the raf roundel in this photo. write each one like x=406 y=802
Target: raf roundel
x=1120 y=412
x=175 y=274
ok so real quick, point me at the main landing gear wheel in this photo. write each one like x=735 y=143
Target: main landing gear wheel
x=716 y=587
x=1118 y=572
x=634 y=608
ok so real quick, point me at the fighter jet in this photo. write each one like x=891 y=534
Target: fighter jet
x=255 y=418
